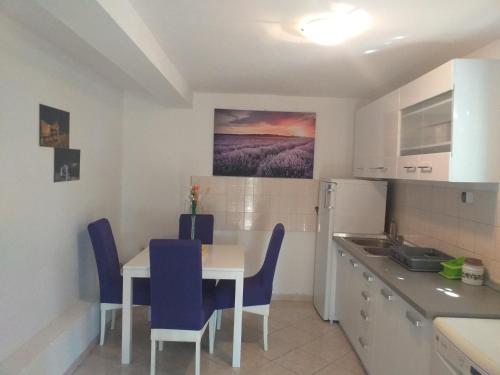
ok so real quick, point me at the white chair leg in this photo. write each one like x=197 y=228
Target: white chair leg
x=219 y=319
x=197 y=358
x=103 y=326
x=153 y=357
x=266 y=331
x=211 y=332
x=161 y=346
x=113 y=319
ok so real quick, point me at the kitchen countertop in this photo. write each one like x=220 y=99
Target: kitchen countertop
x=476 y=338
x=429 y=293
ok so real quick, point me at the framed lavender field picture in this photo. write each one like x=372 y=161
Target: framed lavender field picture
x=263 y=143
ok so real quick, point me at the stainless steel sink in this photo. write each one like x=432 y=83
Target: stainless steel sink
x=372 y=242
x=377 y=251
x=373 y=246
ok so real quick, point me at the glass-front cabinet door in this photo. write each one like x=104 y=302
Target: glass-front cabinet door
x=426 y=126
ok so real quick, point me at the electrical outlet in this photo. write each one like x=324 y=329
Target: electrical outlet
x=467 y=197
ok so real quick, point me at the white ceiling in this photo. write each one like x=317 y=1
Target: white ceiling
x=252 y=46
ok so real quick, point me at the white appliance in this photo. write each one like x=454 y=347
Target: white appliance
x=344 y=206
x=466 y=346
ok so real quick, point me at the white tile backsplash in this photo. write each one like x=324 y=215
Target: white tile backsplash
x=250 y=203
x=434 y=215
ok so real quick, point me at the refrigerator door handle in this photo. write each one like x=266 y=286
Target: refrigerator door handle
x=328 y=196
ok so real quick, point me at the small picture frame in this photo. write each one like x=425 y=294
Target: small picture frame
x=54 y=127
x=66 y=164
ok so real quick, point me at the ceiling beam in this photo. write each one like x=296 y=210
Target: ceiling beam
x=116 y=31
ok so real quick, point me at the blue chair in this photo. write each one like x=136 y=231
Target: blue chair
x=179 y=309
x=110 y=279
x=203 y=229
x=257 y=289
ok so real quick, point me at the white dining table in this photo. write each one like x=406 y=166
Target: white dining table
x=221 y=262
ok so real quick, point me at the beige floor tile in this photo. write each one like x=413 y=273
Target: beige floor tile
x=328 y=347
x=252 y=355
x=278 y=348
x=299 y=343
x=302 y=362
x=293 y=336
x=350 y=361
x=271 y=369
x=334 y=369
x=313 y=326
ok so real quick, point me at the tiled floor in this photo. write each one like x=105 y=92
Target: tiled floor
x=299 y=343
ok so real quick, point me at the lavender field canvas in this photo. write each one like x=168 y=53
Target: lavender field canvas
x=264 y=143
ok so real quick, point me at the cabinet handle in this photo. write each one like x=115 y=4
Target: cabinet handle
x=425 y=168
x=379 y=168
x=367 y=277
x=363 y=315
x=415 y=321
x=362 y=342
x=388 y=296
x=359 y=168
x=341 y=253
x=410 y=169
x=365 y=296
x=354 y=264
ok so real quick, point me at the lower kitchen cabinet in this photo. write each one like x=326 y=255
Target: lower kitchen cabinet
x=386 y=353
x=415 y=339
x=389 y=335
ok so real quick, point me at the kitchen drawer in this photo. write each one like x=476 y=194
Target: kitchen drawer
x=407 y=167
x=434 y=167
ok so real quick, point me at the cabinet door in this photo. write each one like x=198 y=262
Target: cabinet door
x=415 y=341
x=390 y=121
x=361 y=143
x=352 y=320
x=341 y=286
x=427 y=86
x=375 y=139
x=386 y=353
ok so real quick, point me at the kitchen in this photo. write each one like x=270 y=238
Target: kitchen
x=397 y=320
x=402 y=155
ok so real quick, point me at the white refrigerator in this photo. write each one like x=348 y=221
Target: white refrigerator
x=344 y=206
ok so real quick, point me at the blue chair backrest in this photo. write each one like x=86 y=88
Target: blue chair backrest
x=176 y=296
x=106 y=256
x=203 y=228
x=266 y=273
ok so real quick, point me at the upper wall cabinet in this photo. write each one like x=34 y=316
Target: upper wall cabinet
x=450 y=123
x=376 y=138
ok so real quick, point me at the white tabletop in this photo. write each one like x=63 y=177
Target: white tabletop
x=478 y=339
x=224 y=258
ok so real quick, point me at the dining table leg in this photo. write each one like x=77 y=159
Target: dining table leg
x=127 y=318
x=238 y=319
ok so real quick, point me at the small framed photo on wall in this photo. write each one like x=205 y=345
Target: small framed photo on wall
x=66 y=164
x=54 y=127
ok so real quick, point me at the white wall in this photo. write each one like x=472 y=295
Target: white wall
x=489 y=51
x=162 y=148
x=47 y=265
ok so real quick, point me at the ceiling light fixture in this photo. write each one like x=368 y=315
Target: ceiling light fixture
x=370 y=51
x=398 y=37
x=342 y=23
